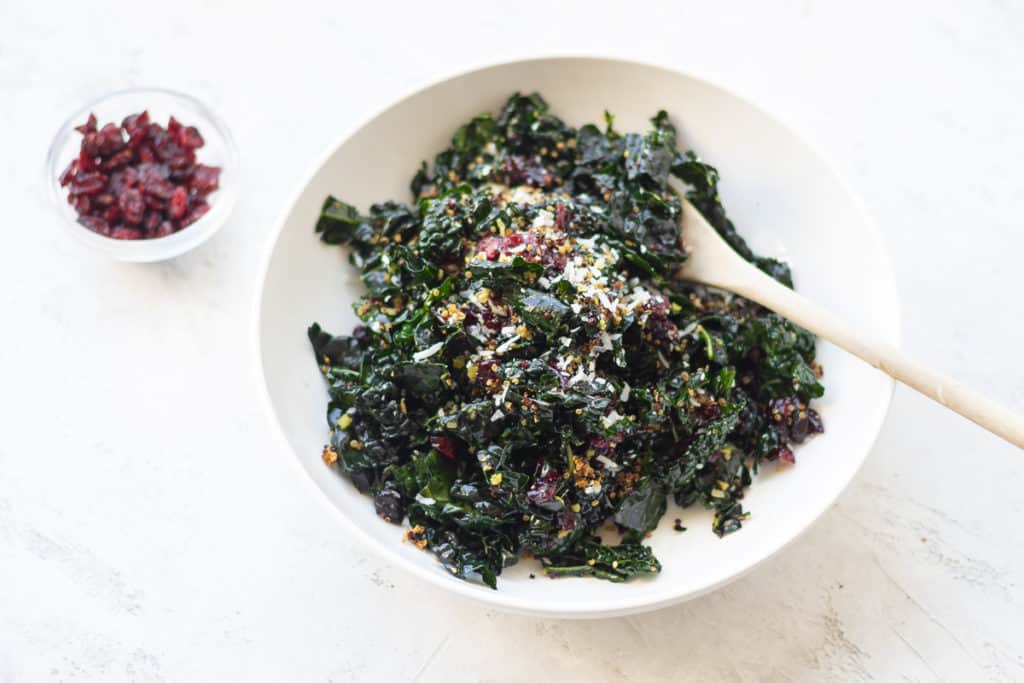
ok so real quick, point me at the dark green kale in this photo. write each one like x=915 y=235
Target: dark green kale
x=611 y=562
x=527 y=370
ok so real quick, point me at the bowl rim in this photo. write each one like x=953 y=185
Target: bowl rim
x=496 y=599
x=159 y=248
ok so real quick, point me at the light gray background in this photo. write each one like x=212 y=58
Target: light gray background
x=152 y=530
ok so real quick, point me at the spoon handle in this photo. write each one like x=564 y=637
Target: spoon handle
x=753 y=284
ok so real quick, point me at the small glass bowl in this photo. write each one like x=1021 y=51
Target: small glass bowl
x=219 y=150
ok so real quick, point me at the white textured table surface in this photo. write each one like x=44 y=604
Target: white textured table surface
x=152 y=530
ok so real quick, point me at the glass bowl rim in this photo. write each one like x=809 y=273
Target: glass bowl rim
x=157 y=248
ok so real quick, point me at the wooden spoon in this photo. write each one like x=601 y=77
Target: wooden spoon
x=713 y=262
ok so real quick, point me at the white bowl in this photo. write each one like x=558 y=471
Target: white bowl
x=218 y=150
x=783 y=197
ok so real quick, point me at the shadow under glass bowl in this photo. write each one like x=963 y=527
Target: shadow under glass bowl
x=219 y=150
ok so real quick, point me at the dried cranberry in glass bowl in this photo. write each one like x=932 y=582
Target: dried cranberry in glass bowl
x=138 y=180
x=122 y=185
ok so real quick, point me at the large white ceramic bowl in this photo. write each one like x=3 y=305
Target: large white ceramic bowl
x=783 y=196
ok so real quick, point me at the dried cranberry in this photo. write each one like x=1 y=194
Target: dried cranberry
x=86 y=162
x=161 y=189
x=526 y=171
x=88 y=183
x=659 y=326
x=148 y=172
x=487 y=316
x=110 y=140
x=566 y=520
x=793 y=420
x=165 y=228
x=444 y=445
x=181 y=175
x=121 y=181
x=155 y=203
x=710 y=411
x=94 y=223
x=168 y=150
x=605 y=446
x=487 y=373
x=150 y=222
x=82 y=204
x=69 y=173
x=123 y=233
x=178 y=203
x=543 y=488
x=185 y=159
x=198 y=210
x=190 y=137
x=491 y=247
x=156 y=134
x=814 y=422
x=205 y=179
x=132 y=206
x=116 y=161
x=138 y=179
x=562 y=217
x=137 y=138
x=89 y=126
x=135 y=122
x=91 y=144
x=799 y=427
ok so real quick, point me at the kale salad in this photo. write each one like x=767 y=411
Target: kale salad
x=529 y=380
